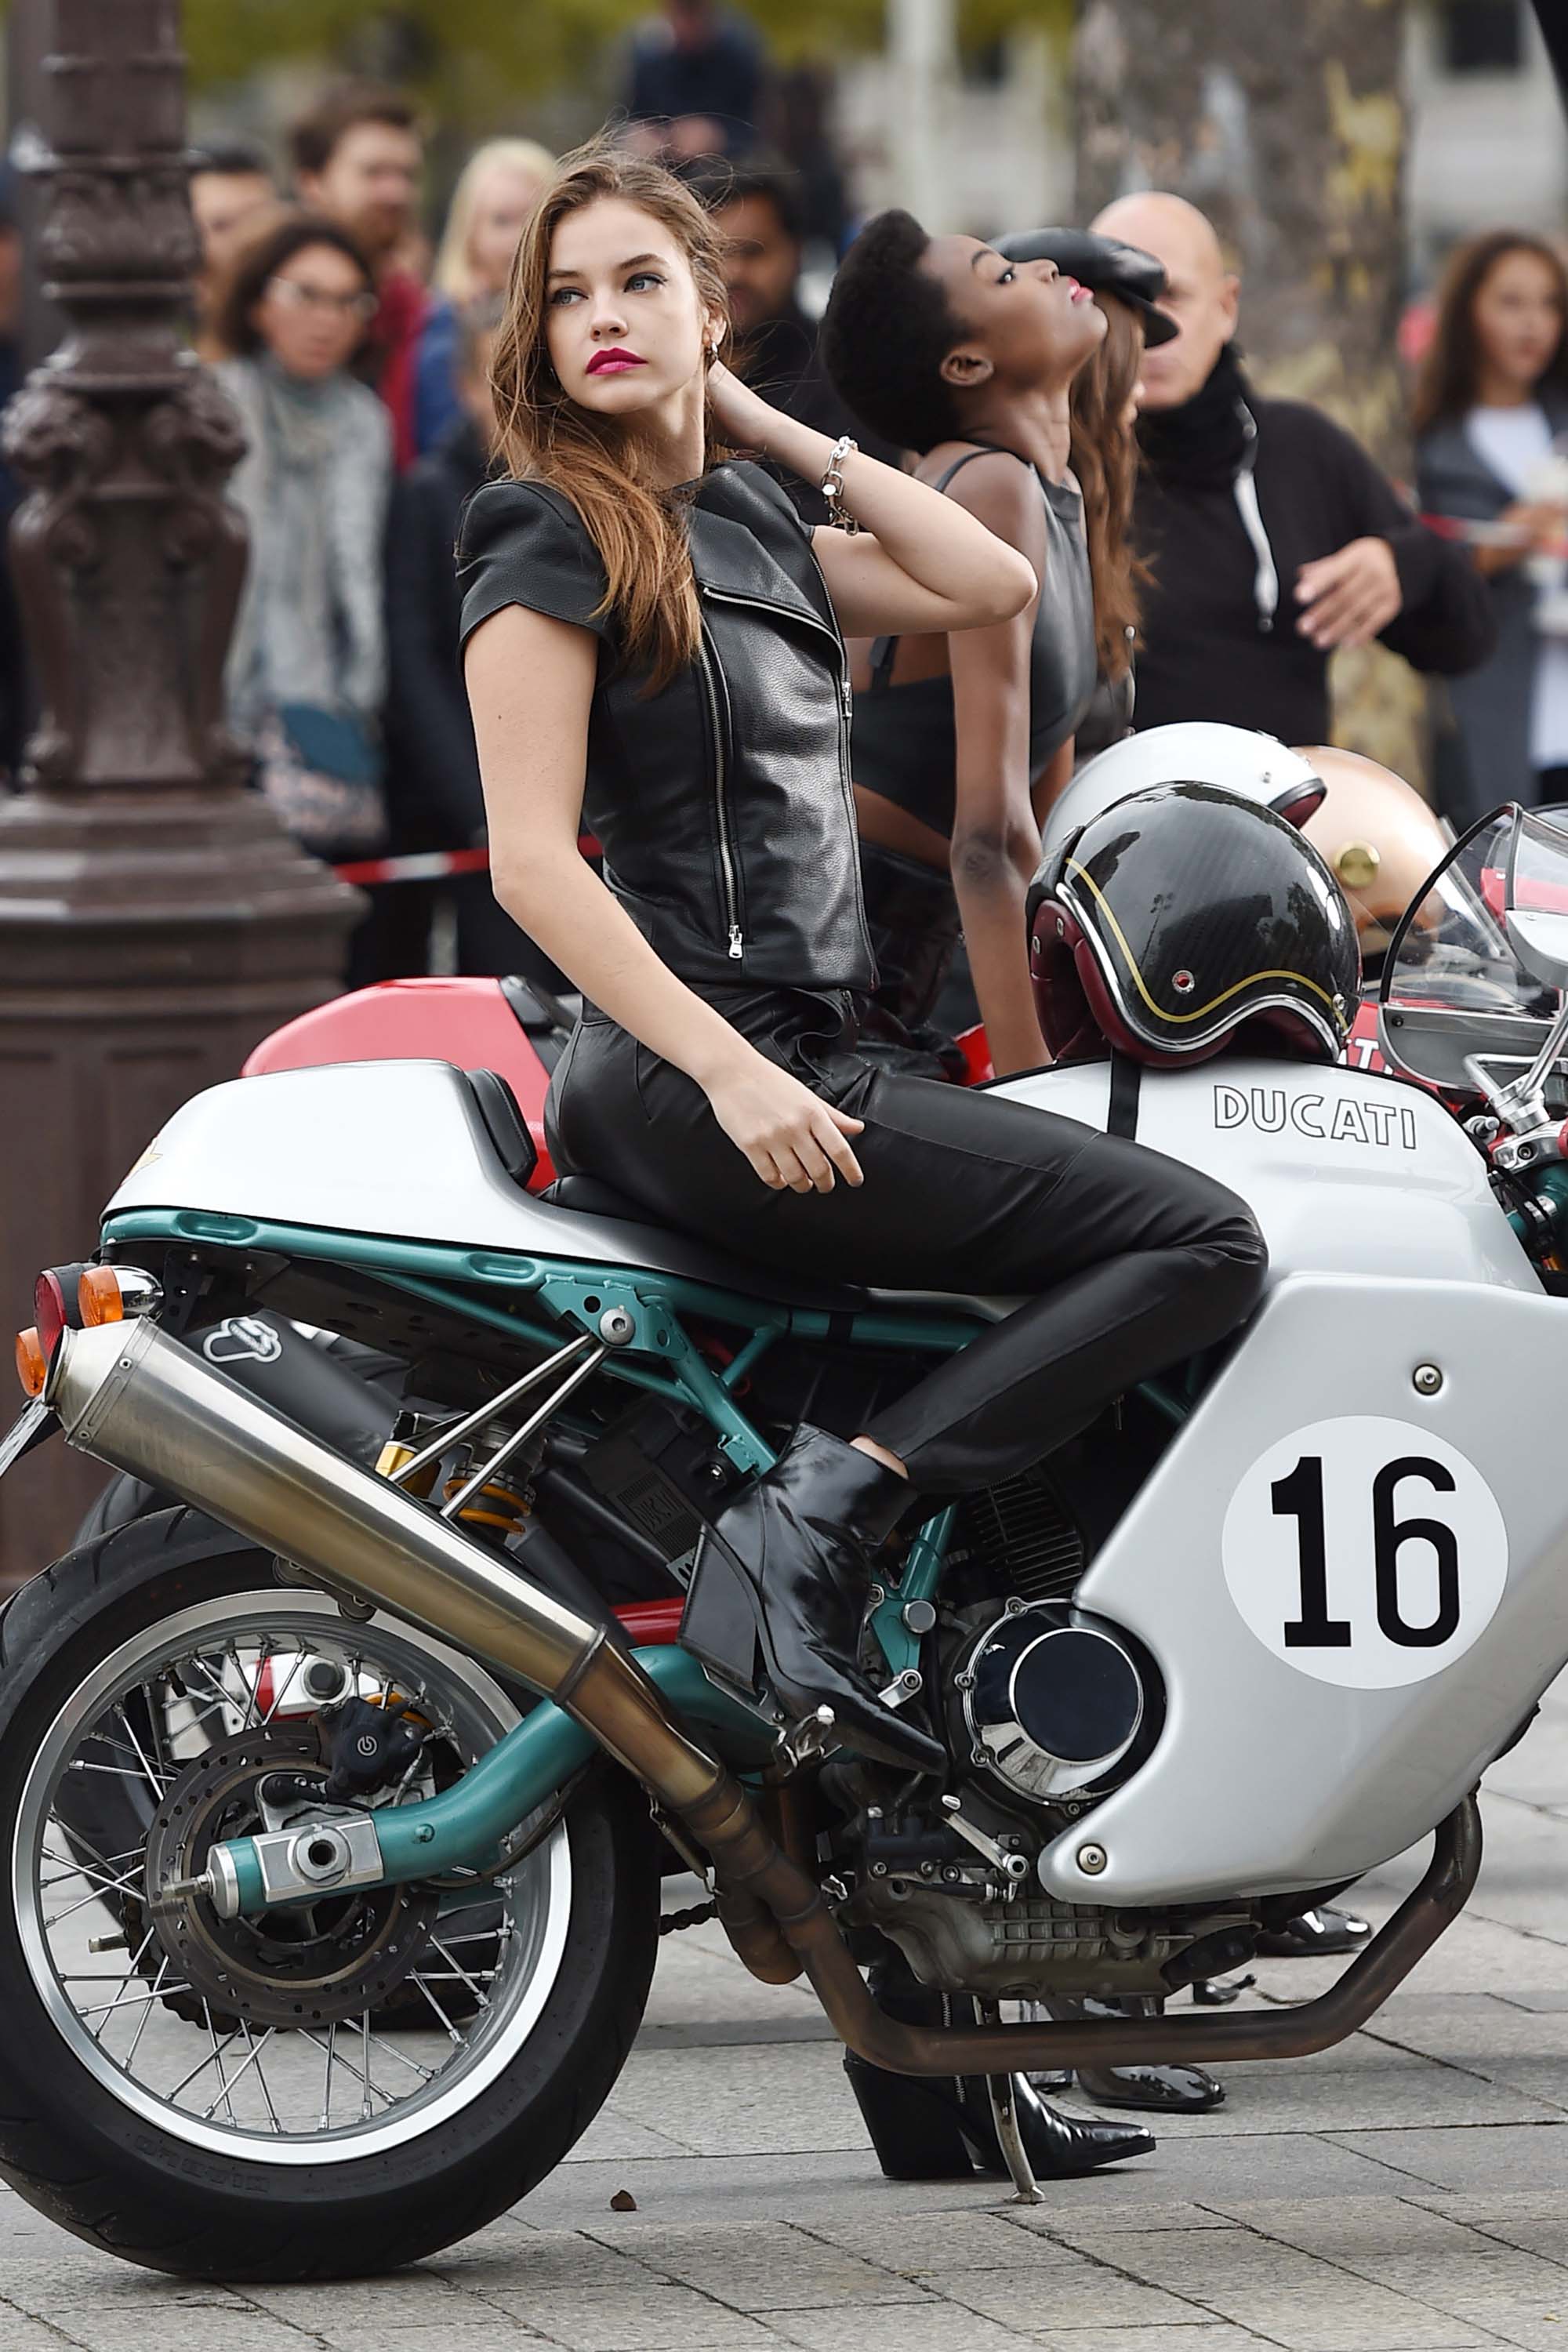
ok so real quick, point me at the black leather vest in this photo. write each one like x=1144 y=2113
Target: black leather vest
x=723 y=802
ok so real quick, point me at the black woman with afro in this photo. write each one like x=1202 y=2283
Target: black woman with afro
x=955 y=352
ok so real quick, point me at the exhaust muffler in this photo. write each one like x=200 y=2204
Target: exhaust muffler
x=134 y=1398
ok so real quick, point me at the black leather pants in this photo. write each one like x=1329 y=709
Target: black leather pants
x=1126 y=1261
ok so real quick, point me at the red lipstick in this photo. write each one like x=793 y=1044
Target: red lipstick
x=613 y=360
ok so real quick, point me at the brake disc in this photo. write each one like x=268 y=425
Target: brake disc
x=301 y=1965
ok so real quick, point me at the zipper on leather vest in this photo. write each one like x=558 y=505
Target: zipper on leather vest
x=846 y=714
x=726 y=855
x=835 y=636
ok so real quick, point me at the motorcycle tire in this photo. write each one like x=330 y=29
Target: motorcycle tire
x=77 y=2148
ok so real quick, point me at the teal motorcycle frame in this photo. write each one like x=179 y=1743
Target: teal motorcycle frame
x=569 y=1308
x=132 y=1396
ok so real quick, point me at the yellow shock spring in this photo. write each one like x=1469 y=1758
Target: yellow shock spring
x=497 y=1505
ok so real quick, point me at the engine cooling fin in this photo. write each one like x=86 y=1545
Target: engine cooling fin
x=1021 y=1539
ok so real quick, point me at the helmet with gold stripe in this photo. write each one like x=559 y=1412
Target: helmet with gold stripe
x=1180 y=915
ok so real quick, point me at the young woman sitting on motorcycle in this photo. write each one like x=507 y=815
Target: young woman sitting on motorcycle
x=994 y=371
x=652 y=643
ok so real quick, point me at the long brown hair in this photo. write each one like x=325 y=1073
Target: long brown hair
x=1104 y=456
x=1452 y=369
x=544 y=436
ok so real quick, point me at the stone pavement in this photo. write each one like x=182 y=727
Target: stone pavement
x=1407 y=2193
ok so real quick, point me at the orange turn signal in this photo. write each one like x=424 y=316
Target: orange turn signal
x=98 y=1296
x=32 y=1364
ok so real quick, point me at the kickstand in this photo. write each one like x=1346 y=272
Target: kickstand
x=1004 y=2116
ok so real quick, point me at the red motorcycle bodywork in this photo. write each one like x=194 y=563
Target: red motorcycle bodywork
x=467 y=1021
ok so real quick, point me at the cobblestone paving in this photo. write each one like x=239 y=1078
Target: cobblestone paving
x=1407 y=2193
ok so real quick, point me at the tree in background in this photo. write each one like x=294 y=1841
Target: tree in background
x=1287 y=126
x=459 y=54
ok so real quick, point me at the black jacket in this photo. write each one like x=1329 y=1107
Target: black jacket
x=722 y=802
x=1210 y=648
x=433 y=770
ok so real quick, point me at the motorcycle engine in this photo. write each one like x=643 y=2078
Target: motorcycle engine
x=1047 y=1710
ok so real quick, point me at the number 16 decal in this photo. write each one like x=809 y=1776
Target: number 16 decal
x=1365 y=1552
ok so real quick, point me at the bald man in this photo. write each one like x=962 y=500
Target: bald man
x=1273 y=536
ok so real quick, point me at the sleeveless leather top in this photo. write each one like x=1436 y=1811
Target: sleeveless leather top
x=906 y=740
x=722 y=802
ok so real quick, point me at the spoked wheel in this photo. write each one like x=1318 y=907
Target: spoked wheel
x=335 y=2087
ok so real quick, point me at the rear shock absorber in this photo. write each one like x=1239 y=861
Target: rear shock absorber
x=501 y=1504
x=505 y=1500
x=499 y=1507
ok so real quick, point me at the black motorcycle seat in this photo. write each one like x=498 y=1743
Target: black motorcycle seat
x=590 y=1196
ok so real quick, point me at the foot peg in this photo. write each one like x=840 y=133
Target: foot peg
x=810 y=1739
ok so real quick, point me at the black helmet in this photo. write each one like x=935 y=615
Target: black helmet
x=1179 y=913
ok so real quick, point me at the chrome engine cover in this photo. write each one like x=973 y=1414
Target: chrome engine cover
x=1051 y=1705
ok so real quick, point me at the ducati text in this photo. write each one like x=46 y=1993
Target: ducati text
x=1342 y=1119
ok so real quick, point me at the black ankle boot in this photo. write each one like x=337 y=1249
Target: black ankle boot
x=789 y=1580
x=1059 y=2147
x=943 y=2128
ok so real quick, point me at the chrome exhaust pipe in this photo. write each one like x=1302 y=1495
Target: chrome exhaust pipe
x=128 y=1395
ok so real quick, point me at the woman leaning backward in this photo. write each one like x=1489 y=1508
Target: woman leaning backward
x=653 y=648
x=1018 y=389
x=1000 y=367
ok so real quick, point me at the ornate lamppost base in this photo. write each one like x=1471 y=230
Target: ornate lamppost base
x=155 y=921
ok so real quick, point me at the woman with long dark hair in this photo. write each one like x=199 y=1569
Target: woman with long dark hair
x=1019 y=408
x=1491 y=426
x=653 y=643
x=1103 y=455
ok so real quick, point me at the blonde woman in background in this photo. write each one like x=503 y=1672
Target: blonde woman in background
x=495 y=192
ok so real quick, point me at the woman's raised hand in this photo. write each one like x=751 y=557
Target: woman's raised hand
x=741 y=417
x=791 y=1138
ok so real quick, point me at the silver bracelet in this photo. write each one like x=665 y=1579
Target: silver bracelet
x=832 y=485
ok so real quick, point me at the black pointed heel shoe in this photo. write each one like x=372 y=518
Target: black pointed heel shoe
x=1154 y=2090
x=778 y=1595
x=942 y=2129
x=1059 y=2147
x=1320 y=1934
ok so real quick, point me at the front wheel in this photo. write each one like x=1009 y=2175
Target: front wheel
x=314 y=2092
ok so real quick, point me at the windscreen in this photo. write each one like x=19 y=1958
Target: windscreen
x=1537 y=895
x=1456 y=992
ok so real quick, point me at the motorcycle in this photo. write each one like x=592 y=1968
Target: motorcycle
x=402 y=1747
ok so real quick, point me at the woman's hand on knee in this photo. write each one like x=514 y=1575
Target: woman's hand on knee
x=792 y=1138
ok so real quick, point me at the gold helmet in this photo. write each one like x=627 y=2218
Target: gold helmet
x=1377 y=836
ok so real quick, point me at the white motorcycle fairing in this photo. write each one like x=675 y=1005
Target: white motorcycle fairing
x=1352 y=1593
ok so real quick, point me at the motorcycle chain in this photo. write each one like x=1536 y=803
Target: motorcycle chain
x=698 y=1916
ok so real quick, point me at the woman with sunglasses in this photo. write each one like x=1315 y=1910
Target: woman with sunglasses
x=306 y=666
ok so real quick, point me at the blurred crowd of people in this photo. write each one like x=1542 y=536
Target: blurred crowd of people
x=360 y=364
x=1235 y=542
